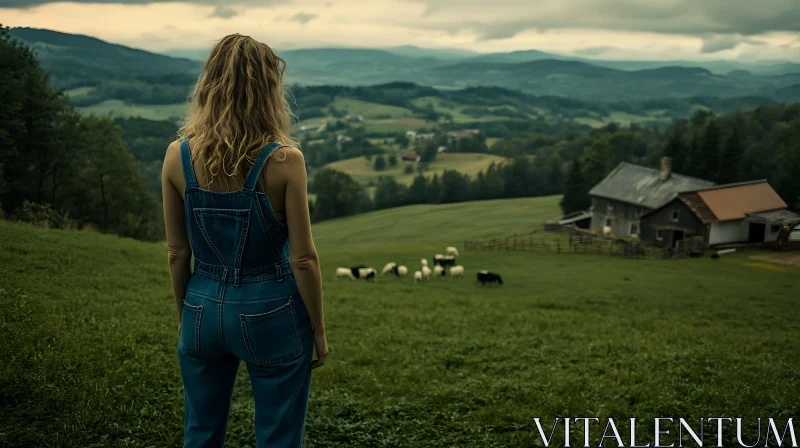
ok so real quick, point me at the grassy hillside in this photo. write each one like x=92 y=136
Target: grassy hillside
x=88 y=320
x=123 y=109
x=362 y=170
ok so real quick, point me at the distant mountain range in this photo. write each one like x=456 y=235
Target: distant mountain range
x=74 y=60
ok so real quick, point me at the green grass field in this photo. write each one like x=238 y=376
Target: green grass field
x=121 y=109
x=467 y=163
x=370 y=110
x=89 y=338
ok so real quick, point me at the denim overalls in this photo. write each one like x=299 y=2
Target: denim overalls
x=241 y=303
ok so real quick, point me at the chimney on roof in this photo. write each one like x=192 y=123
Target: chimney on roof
x=666 y=168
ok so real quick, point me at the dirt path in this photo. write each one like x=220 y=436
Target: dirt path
x=788 y=258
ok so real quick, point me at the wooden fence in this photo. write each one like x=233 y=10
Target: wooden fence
x=582 y=242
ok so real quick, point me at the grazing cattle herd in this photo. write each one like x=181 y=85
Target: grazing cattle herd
x=443 y=265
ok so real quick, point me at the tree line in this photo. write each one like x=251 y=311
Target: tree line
x=60 y=168
x=339 y=195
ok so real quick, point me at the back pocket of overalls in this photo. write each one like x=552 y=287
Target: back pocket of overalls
x=190 y=327
x=271 y=337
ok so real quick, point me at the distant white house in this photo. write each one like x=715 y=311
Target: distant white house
x=354 y=118
x=411 y=134
x=441 y=149
x=341 y=138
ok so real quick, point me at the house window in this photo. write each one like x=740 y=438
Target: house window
x=634 y=229
x=608 y=222
x=659 y=234
x=675 y=215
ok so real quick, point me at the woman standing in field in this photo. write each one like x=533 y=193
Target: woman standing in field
x=235 y=197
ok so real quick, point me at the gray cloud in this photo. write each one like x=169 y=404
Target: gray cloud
x=661 y=16
x=303 y=17
x=717 y=43
x=218 y=3
x=223 y=13
x=593 y=51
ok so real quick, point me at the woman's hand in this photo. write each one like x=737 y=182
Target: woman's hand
x=321 y=347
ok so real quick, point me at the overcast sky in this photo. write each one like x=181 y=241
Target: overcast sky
x=604 y=29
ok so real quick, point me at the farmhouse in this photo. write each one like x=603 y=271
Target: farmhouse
x=630 y=191
x=354 y=118
x=410 y=157
x=744 y=212
x=341 y=138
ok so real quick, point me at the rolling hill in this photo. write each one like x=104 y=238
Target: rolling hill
x=79 y=61
x=73 y=60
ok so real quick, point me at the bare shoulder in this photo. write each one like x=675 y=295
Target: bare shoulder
x=172 y=160
x=290 y=155
x=173 y=153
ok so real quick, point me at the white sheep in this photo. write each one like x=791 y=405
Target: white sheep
x=457 y=271
x=344 y=272
x=438 y=271
x=388 y=267
x=417 y=277
x=452 y=250
x=426 y=272
x=424 y=262
x=402 y=271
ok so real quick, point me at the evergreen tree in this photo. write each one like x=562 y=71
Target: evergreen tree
x=677 y=150
x=732 y=153
x=455 y=187
x=389 y=193
x=392 y=161
x=434 y=193
x=418 y=191
x=596 y=162
x=689 y=167
x=337 y=195
x=708 y=159
x=429 y=153
x=380 y=163
x=576 y=192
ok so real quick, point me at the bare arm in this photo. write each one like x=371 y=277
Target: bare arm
x=303 y=254
x=179 y=250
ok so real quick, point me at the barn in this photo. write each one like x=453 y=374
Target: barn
x=743 y=212
x=630 y=191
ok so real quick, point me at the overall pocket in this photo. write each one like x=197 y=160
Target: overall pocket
x=272 y=337
x=190 y=327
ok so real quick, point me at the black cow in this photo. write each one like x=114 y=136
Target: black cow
x=489 y=277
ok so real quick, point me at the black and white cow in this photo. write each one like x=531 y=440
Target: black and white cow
x=489 y=277
x=444 y=261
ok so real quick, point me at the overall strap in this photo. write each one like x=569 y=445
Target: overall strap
x=186 y=161
x=255 y=171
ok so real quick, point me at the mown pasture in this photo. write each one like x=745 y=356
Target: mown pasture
x=363 y=171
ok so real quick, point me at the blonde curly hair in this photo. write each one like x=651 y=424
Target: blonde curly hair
x=237 y=107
